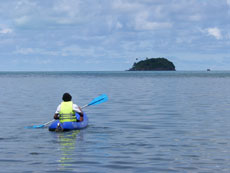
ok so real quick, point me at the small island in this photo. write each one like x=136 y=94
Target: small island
x=153 y=64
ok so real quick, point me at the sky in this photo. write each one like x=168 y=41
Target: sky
x=109 y=35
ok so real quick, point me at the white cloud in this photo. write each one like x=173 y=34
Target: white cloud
x=6 y=31
x=124 y=5
x=142 y=22
x=119 y=25
x=215 y=32
x=22 y=20
x=146 y=25
x=113 y=23
x=228 y=2
x=67 y=11
x=195 y=17
x=75 y=50
x=25 y=51
x=69 y=7
x=43 y=61
x=30 y=51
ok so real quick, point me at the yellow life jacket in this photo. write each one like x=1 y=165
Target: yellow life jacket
x=66 y=113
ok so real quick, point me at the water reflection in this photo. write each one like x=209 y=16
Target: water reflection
x=68 y=145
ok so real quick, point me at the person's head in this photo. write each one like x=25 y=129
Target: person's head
x=66 y=97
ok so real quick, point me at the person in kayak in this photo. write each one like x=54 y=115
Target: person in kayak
x=66 y=110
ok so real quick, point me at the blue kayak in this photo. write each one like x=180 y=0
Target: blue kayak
x=66 y=126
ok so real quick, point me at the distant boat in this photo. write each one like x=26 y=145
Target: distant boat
x=208 y=69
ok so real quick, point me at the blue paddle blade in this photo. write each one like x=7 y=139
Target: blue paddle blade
x=35 y=126
x=39 y=126
x=100 y=99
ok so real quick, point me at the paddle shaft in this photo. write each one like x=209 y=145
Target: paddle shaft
x=84 y=106
x=49 y=122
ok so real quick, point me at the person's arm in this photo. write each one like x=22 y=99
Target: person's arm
x=81 y=114
x=77 y=109
x=56 y=115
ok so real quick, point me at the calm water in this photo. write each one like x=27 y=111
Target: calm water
x=153 y=122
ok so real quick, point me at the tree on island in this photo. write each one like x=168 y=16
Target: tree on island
x=153 y=64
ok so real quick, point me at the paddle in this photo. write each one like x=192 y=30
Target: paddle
x=39 y=126
x=98 y=100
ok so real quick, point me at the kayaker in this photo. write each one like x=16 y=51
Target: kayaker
x=66 y=110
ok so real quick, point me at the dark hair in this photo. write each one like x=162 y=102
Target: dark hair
x=66 y=97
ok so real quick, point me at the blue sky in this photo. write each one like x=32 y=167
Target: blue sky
x=91 y=35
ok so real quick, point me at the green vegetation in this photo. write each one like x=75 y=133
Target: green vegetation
x=153 y=64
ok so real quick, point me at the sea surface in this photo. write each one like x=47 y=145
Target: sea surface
x=153 y=122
